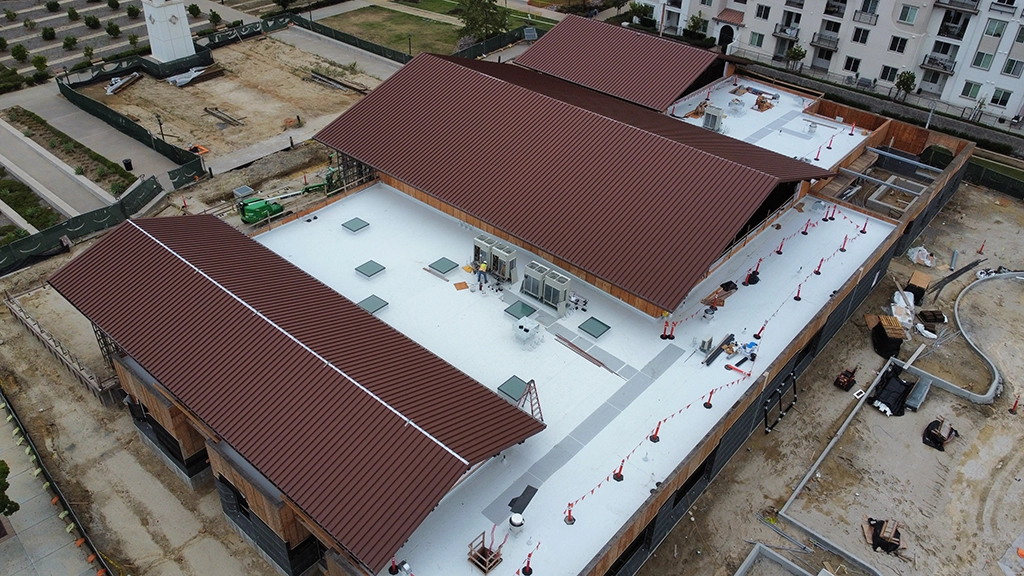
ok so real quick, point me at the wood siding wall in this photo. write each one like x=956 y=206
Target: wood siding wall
x=278 y=517
x=163 y=411
x=633 y=300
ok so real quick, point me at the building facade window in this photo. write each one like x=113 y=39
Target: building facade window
x=706 y=2
x=756 y=39
x=1013 y=67
x=908 y=14
x=898 y=44
x=852 y=64
x=869 y=6
x=930 y=77
x=995 y=27
x=740 y=1
x=762 y=12
x=1000 y=97
x=1020 y=35
x=982 y=60
x=831 y=26
x=970 y=90
x=888 y=74
x=860 y=35
x=824 y=54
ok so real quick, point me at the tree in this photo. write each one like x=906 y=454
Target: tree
x=70 y=42
x=92 y=21
x=284 y=4
x=696 y=24
x=3 y=43
x=10 y=14
x=7 y=506
x=482 y=19
x=87 y=51
x=73 y=14
x=133 y=39
x=113 y=4
x=215 y=18
x=49 y=33
x=906 y=81
x=640 y=10
x=132 y=10
x=39 y=62
x=795 y=54
x=19 y=52
x=53 y=5
x=618 y=4
x=113 y=30
x=194 y=10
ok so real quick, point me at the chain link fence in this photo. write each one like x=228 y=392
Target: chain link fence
x=498 y=42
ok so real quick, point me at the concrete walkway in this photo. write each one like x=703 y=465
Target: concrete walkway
x=40 y=545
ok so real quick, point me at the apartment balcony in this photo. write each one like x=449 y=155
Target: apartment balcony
x=865 y=17
x=951 y=31
x=970 y=6
x=675 y=3
x=787 y=31
x=822 y=40
x=833 y=8
x=939 y=63
x=1003 y=8
x=795 y=3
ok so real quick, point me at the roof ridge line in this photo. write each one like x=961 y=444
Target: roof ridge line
x=408 y=421
x=614 y=120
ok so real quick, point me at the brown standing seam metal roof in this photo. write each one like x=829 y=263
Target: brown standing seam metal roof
x=636 y=208
x=730 y=16
x=259 y=350
x=640 y=68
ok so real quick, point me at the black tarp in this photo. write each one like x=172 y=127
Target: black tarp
x=892 y=391
x=885 y=346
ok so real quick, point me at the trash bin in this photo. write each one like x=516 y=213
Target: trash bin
x=127 y=164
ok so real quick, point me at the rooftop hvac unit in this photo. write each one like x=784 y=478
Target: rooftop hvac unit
x=713 y=118
x=533 y=279
x=556 y=290
x=482 y=248
x=503 y=262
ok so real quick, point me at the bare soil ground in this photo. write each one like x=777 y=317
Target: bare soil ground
x=140 y=515
x=266 y=85
x=970 y=491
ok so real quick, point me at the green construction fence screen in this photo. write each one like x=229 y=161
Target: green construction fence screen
x=981 y=171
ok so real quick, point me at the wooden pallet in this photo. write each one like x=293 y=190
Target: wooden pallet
x=892 y=327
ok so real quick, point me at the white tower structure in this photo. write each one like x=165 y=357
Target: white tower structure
x=167 y=25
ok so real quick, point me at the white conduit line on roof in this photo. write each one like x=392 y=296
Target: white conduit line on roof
x=407 y=420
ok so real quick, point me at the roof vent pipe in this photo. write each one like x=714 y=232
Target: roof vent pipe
x=515 y=523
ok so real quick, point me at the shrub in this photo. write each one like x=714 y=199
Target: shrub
x=53 y=6
x=39 y=62
x=52 y=142
x=81 y=65
x=113 y=29
x=87 y=51
x=10 y=14
x=3 y=43
x=117 y=188
x=114 y=4
x=193 y=10
x=101 y=171
x=68 y=147
x=40 y=76
x=132 y=10
x=73 y=14
x=92 y=22
x=19 y=52
x=133 y=39
x=79 y=170
x=49 y=33
x=235 y=23
x=215 y=18
x=70 y=42
x=29 y=23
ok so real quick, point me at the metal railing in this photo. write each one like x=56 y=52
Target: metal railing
x=865 y=17
x=787 y=31
x=825 y=41
x=1004 y=8
x=955 y=32
x=833 y=8
x=939 y=63
x=965 y=5
x=795 y=3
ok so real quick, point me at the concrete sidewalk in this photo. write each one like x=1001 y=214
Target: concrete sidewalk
x=40 y=544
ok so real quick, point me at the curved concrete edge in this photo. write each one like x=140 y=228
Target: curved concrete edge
x=762 y=551
x=996 y=387
x=89 y=185
x=45 y=193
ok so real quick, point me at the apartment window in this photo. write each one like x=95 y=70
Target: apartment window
x=756 y=39
x=869 y=6
x=995 y=27
x=852 y=64
x=860 y=35
x=831 y=27
x=824 y=54
x=762 y=12
x=1020 y=35
x=944 y=48
x=897 y=44
x=908 y=14
x=970 y=90
x=982 y=60
x=1000 y=97
x=706 y=2
x=1006 y=2
x=930 y=77
x=888 y=74
x=1013 y=67
x=740 y=1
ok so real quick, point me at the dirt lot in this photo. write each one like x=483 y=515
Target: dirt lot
x=974 y=504
x=266 y=86
x=138 y=513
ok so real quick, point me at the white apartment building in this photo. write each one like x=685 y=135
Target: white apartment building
x=967 y=53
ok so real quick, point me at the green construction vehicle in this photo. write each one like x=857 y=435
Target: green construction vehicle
x=255 y=209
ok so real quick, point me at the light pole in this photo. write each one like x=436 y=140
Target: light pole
x=160 y=123
x=410 y=44
x=65 y=74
